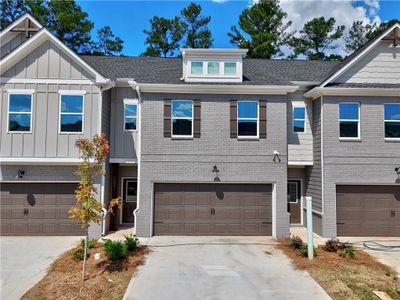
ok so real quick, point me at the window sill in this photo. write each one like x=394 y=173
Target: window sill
x=19 y=132
x=182 y=138
x=70 y=133
x=255 y=138
x=392 y=140
x=349 y=139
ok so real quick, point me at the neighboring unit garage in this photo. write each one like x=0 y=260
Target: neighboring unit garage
x=37 y=209
x=212 y=209
x=368 y=210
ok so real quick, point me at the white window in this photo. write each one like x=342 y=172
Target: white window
x=213 y=68
x=130 y=114
x=299 y=119
x=229 y=68
x=196 y=68
x=182 y=118
x=349 y=120
x=71 y=112
x=392 y=121
x=247 y=119
x=20 y=112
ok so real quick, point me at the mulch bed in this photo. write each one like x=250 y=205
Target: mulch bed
x=346 y=278
x=105 y=279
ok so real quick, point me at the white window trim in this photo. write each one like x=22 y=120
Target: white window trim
x=131 y=102
x=20 y=92
x=384 y=123
x=71 y=93
x=303 y=120
x=196 y=61
x=181 y=118
x=248 y=137
x=358 y=138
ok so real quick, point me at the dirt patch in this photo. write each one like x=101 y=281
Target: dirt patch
x=105 y=279
x=346 y=278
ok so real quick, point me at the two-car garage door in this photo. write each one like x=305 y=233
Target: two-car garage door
x=37 y=209
x=368 y=210
x=212 y=209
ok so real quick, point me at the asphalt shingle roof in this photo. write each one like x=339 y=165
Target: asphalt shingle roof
x=169 y=70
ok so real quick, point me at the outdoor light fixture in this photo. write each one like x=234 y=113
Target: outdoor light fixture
x=20 y=174
x=397 y=170
x=276 y=157
x=215 y=170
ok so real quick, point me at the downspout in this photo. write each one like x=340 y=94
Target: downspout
x=108 y=85
x=135 y=86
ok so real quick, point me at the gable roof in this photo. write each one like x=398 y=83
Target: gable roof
x=159 y=70
x=356 y=56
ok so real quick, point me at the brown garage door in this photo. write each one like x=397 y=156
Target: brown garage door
x=368 y=210
x=37 y=209
x=212 y=209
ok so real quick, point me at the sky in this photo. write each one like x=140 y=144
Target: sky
x=127 y=19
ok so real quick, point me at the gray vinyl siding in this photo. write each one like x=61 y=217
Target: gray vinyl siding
x=314 y=173
x=380 y=65
x=8 y=47
x=45 y=140
x=300 y=145
x=171 y=160
x=106 y=113
x=123 y=143
x=367 y=162
x=49 y=62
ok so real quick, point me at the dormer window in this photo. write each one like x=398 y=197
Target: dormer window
x=213 y=65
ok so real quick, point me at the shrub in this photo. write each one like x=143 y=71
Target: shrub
x=90 y=244
x=304 y=250
x=347 y=252
x=332 y=245
x=115 y=250
x=79 y=253
x=296 y=242
x=131 y=242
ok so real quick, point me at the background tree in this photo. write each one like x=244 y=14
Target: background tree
x=316 y=38
x=261 y=29
x=107 y=43
x=357 y=36
x=379 y=29
x=164 y=36
x=197 y=34
x=87 y=209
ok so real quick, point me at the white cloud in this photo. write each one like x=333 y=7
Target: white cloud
x=344 y=12
x=219 y=1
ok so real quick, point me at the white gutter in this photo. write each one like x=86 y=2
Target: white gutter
x=333 y=91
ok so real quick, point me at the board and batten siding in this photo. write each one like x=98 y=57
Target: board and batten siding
x=8 y=47
x=380 y=65
x=47 y=62
x=314 y=173
x=300 y=144
x=45 y=140
x=123 y=143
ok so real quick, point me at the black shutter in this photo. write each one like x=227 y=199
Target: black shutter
x=196 y=118
x=167 y=118
x=233 y=118
x=263 y=119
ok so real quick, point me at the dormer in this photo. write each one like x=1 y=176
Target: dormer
x=213 y=65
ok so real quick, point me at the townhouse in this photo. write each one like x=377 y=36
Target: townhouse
x=207 y=144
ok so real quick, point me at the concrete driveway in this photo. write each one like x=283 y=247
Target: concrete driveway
x=219 y=268
x=24 y=261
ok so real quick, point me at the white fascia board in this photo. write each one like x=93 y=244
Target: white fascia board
x=44 y=81
x=36 y=41
x=359 y=56
x=300 y=163
x=3 y=33
x=213 y=51
x=217 y=89
x=39 y=161
x=385 y=92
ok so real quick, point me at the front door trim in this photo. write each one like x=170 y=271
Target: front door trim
x=122 y=193
x=301 y=201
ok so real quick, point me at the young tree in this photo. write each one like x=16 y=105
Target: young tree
x=316 y=38
x=87 y=209
x=261 y=29
x=107 y=43
x=357 y=36
x=197 y=34
x=164 y=36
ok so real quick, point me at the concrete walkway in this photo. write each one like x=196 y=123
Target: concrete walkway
x=219 y=268
x=25 y=260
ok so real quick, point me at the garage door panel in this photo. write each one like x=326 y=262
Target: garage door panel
x=367 y=210
x=38 y=209
x=213 y=209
